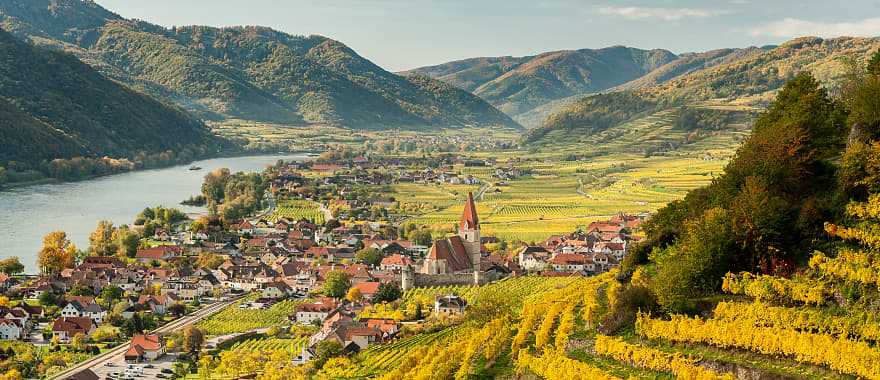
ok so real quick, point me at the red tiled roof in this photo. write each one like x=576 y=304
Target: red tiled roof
x=469 y=220
x=397 y=259
x=367 y=287
x=569 y=259
x=150 y=342
x=453 y=251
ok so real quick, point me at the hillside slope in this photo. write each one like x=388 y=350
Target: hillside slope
x=249 y=73
x=517 y=85
x=752 y=75
x=54 y=106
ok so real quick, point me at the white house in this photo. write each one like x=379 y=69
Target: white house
x=10 y=329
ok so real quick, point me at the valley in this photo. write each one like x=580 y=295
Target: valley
x=244 y=202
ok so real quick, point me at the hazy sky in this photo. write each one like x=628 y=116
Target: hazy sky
x=404 y=34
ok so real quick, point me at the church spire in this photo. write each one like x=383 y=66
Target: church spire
x=469 y=220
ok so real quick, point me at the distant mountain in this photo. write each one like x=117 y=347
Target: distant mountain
x=54 y=106
x=252 y=73
x=517 y=85
x=751 y=75
x=764 y=71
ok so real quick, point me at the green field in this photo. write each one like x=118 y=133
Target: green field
x=298 y=209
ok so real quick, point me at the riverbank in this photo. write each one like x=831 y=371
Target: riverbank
x=49 y=180
x=29 y=213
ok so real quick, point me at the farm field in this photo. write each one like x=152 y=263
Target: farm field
x=636 y=167
x=298 y=209
x=233 y=319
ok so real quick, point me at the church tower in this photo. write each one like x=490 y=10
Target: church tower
x=469 y=231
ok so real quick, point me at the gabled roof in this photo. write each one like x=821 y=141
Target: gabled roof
x=453 y=251
x=469 y=220
x=72 y=324
x=368 y=287
x=151 y=342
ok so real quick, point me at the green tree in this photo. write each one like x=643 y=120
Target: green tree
x=111 y=294
x=695 y=265
x=387 y=292
x=421 y=236
x=369 y=256
x=336 y=284
x=11 y=266
x=127 y=241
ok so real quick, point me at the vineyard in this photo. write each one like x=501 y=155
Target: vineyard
x=298 y=209
x=233 y=319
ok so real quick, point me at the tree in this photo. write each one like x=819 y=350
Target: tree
x=421 y=237
x=695 y=265
x=11 y=266
x=78 y=342
x=209 y=260
x=354 y=294
x=2 y=176
x=101 y=242
x=177 y=309
x=193 y=339
x=106 y=333
x=336 y=284
x=387 y=292
x=325 y=350
x=127 y=241
x=111 y=294
x=369 y=256
x=56 y=254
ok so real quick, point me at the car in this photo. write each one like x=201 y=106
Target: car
x=109 y=364
x=161 y=376
x=167 y=370
x=148 y=366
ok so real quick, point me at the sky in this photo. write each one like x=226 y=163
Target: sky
x=405 y=34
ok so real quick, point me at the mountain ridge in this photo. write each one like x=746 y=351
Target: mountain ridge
x=254 y=73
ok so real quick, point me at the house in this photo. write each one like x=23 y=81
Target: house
x=316 y=311
x=368 y=289
x=449 y=305
x=145 y=348
x=66 y=328
x=73 y=309
x=160 y=253
x=276 y=290
x=158 y=304
x=533 y=258
x=10 y=329
x=388 y=327
x=395 y=262
x=6 y=282
x=571 y=262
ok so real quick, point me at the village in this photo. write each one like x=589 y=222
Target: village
x=337 y=273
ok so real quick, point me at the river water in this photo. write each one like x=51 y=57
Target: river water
x=29 y=213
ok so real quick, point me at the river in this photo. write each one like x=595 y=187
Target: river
x=29 y=213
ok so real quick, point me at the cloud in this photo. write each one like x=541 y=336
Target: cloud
x=666 y=14
x=792 y=27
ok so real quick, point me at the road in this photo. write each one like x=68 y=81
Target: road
x=116 y=354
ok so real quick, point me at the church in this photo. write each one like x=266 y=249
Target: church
x=460 y=253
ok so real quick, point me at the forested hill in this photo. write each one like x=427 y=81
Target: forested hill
x=519 y=84
x=749 y=76
x=251 y=73
x=54 y=106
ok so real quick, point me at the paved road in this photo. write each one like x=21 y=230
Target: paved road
x=116 y=354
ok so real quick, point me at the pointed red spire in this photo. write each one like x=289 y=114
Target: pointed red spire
x=469 y=220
